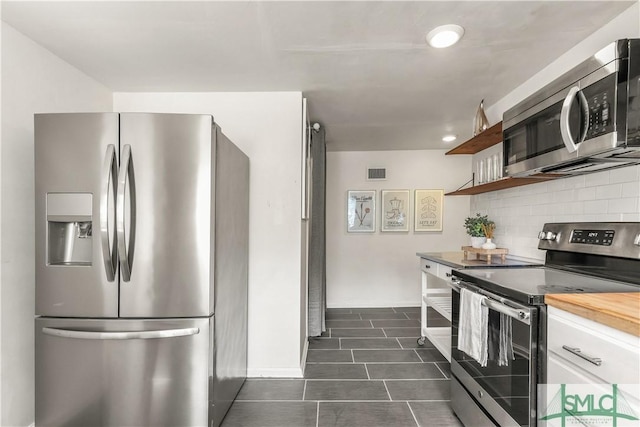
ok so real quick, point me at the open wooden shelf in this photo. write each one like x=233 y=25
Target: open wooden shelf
x=501 y=184
x=486 y=139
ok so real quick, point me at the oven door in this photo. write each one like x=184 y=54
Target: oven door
x=506 y=394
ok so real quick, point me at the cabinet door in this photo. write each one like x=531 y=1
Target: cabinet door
x=581 y=341
x=583 y=352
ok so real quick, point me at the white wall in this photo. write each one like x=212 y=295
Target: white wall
x=613 y=195
x=381 y=269
x=33 y=80
x=267 y=127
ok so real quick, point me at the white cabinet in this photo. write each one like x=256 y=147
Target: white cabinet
x=437 y=295
x=581 y=351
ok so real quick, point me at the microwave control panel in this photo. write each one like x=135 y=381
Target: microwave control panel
x=601 y=99
x=593 y=237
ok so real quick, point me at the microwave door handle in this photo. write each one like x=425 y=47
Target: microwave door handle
x=126 y=253
x=109 y=173
x=585 y=115
x=565 y=130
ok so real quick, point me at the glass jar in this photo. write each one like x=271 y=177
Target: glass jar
x=480 y=171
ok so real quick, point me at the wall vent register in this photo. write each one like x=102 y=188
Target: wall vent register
x=376 y=174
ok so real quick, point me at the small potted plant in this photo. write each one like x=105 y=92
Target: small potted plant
x=474 y=226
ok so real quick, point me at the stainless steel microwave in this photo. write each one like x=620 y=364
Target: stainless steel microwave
x=587 y=120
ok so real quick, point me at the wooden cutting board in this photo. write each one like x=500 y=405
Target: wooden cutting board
x=620 y=311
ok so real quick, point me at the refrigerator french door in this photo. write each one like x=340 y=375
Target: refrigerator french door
x=141 y=269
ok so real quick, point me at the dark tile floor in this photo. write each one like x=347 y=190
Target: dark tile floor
x=365 y=371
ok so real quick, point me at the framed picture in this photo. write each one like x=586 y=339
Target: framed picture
x=428 y=210
x=395 y=210
x=361 y=211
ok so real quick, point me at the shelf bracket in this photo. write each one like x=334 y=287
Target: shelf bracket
x=472 y=181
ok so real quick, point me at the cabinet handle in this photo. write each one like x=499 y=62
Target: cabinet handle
x=449 y=274
x=575 y=350
x=427 y=266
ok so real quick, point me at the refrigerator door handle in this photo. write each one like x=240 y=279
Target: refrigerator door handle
x=109 y=174
x=130 y=335
x=126 y=173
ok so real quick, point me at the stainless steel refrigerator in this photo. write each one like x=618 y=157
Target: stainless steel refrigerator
x=141 y=270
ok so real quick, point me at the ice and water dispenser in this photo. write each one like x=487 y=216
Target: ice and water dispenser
x=69 y=229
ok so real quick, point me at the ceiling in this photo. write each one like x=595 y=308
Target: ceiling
x=369 y=77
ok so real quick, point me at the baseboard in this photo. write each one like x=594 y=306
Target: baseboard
x=275 y=373
x=385 y=304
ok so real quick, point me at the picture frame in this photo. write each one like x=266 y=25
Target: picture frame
x=428 y=208
x=395 y=210
x=361 y=211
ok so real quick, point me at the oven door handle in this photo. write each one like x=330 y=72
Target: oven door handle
x=494 y=302
x=516 y=313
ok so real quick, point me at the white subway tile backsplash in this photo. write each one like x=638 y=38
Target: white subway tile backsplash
x=596 y=179
x=612 y=191
x=631 y=189
x=541 y=187
x=596 y=207
x=564 y=195
x=564 y=218
x=628 y=205
x=586 y=193
x=610 y=217
x=521 y=212
x=626 y=174
x=630 y=217
x=573 y=182
x=554 y=186
x=575 y=208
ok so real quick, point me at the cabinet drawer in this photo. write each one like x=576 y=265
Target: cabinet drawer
x=593 y=340
x=444 y=272
x=561 y=371
x=429 y=266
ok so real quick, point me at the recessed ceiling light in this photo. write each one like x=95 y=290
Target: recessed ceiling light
x=449 y=138
x=445 y=35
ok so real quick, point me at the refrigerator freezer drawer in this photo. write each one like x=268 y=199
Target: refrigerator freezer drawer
x=124 y=373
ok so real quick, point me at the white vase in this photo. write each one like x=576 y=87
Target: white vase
x=477 y=242
x=489 y=245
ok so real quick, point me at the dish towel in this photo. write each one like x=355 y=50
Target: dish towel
x=506 y=341
x=472 y=326
x=500 y=340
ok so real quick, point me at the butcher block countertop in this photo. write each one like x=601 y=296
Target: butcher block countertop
x=620 y=311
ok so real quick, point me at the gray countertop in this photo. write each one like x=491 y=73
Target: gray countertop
x=456 y=260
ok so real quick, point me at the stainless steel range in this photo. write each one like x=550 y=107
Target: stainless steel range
x=580 y=258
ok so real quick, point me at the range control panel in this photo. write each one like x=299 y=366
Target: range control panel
x=593 y=237
x=616 y=239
